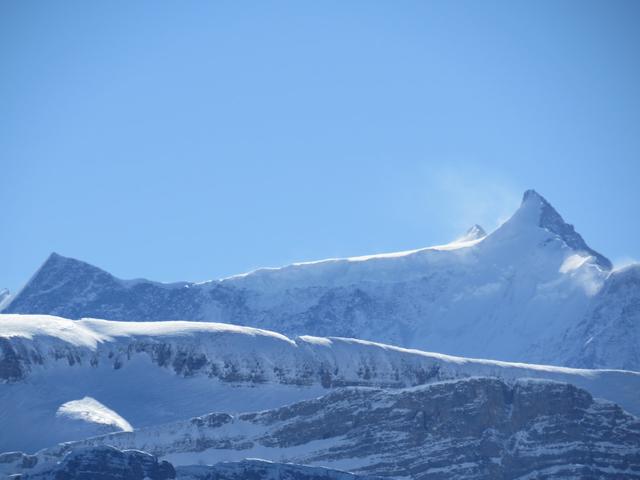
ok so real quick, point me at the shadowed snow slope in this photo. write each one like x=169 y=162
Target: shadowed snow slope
x=158 y=372
x=532 y=291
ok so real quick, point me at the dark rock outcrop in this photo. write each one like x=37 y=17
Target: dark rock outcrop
x=105 y=463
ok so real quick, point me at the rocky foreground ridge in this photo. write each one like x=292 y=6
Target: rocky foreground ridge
x=477 y=428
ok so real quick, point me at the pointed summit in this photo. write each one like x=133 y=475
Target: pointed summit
x=536 y=211
x=532 y=196
x=58 y=264
x=476 y=232
x=55 y=257
x=71 y=279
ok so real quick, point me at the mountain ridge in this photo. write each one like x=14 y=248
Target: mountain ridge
x=509 y=295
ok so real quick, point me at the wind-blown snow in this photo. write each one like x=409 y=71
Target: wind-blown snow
x=89 y=410
x=573 y=262
x=5 y=298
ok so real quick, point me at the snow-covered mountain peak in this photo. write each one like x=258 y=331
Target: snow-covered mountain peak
x=538 y=221
x=476 y=232
x=55 y=259
x=535 y=211
x=56 y=264
x=532 y=196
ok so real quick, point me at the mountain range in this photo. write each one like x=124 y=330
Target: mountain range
x=328 y=369
x=530 y=291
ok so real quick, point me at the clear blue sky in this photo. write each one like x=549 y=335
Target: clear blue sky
x=197 y=139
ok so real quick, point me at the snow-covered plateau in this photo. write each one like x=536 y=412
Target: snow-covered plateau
x=531 y=291
x=69 y=379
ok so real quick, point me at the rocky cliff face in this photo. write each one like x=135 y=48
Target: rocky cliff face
x=477 y=428
x=508 y=295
